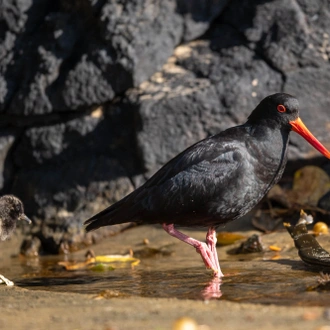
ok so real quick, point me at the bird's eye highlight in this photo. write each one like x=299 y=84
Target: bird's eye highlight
x=281 y=108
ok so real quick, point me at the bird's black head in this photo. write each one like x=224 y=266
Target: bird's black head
x=281 y=111
x=276 y=110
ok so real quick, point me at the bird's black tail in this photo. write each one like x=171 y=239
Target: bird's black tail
x=113 y=215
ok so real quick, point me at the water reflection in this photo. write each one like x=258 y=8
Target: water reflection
x=282 y=281
x=128 y=283
x=212 y=290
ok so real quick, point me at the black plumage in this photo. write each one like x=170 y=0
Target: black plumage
x=216 y=180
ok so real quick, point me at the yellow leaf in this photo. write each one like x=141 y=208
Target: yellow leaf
x=226 y=238
x=274 y=248
x=101 y=263
x=117 y=258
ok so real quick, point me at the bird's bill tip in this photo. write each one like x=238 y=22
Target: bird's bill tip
x=299 y=127
x=25 y=218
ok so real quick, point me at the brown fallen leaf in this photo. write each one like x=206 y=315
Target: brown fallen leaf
x=310 y=183
x=69 y=265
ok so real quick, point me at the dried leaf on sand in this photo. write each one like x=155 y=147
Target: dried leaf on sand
x=101 y=263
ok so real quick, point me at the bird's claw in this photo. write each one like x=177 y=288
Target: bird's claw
x=209 y=259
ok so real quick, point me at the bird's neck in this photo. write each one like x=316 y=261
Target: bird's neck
x=270 y=139
x=269 y=145
x=264 y=128
x=267 y=123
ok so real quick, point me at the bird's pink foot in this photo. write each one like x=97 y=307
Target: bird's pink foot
x=211 y=241
x=207 y=251
x=210 y=260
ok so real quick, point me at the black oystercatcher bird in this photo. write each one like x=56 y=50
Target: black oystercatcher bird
x=11 y=210
x=216 y=180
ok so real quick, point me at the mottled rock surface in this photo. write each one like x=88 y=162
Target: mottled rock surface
x=97 y=95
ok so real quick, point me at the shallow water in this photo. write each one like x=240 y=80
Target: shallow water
x=264 y=284
x=256 y=278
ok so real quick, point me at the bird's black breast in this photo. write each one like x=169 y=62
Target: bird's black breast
x=216 y=180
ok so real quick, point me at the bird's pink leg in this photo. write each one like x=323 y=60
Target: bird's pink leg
x=202 y=248
x=211 y=241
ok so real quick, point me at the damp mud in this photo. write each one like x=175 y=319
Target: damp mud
x=258 y=286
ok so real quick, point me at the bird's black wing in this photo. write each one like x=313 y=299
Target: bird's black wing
x=192 y=185
x=184 y=185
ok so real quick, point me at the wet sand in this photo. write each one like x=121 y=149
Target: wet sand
x=154 y=294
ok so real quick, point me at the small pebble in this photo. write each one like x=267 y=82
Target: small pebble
x=255 y=82
x=185 y=323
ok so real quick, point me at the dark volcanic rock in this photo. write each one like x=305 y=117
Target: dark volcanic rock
x=73 y=92
x=310 y=85
x=66 y=166
x=288 y=34
x=40 y=63
x=18 y=21
x=172 y=116
x=66 y=195
x=143 y=35
x=72 y=186
x=103 y=131
x=208 y=85
x=72 y=170
x=7 y=139
x=240 y=76
x=60 y=56
x=56 y=143
x=63 y=58
x=96 y=95
x=198 y=15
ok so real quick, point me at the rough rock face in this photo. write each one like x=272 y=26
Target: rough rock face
x=71 y=170
x=61 y=56
x=7 y=138
x=97 y=95
x=312 y=85
x=205 y=80
x=253 y=50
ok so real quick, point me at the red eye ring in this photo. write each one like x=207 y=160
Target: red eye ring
x=281 y=108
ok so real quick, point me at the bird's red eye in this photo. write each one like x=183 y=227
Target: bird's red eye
x=281 y=108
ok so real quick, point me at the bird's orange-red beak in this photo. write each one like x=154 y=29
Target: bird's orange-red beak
x=299 y=127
